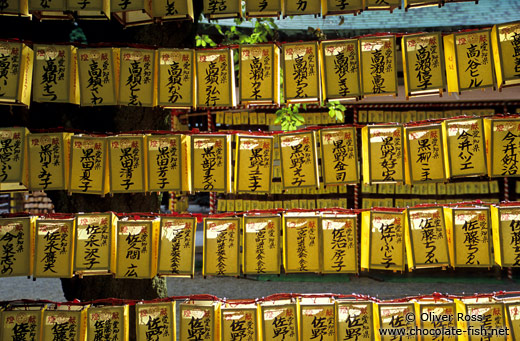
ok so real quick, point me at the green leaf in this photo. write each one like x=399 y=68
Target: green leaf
x=340 y=116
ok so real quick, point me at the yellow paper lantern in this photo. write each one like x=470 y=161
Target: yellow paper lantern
x=23 y=322
x=239 y=321
x=506 y=44
x=222 y=9
x=263 y=8
x=132 y=12
x=388 y=5
x=339 y=239
x=485 y=315
x=301 y=7
x=512 y=313
x=14 y=172
x=301 y=243
x=502 y=140
x=382 y=240
x=299 y=159
x=127 y=163
x=426 y=238
x=54 y=250
x=138 y=77
x=156 y=320
x=464 y=147
x=177 y=246
x=301 y=72
x=16 y=60
x=254 y=157
x=339 y=7
x=221 y=247
x=64 y=322
x=176 y=78
x=55 y=74
x=215 y=78
x=437 y=316
x=19 y=8
x=279 y=319
x=423 y=64
x=378 y=65
x=469 y=239
x=90 y=9
x=17 y=246
x=383 y=154
x=340 y=69
x=89 y=165
x=393 y=316
x=98 y=75
x=339 y=157
x=261 y=244
x=505 y=223
x=49 y=9
x=259 y=74
x=199 y=320
x=425 y=156
x=166 y=10
x=355 y=320
x=317 y=319
x=108 y=323
x=211 y=163
x=95 y=251
x=469 y=60
x=137 y=248
x=166 y=171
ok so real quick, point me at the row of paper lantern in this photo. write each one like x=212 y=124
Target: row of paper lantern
x=324 y=241
x=137 y=12
x=312 y=71
x=412 y=154
x=309 y=317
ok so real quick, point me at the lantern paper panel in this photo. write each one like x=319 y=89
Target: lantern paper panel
x=215 y=78
x=425 y=154
x=49 y=9
x=259 y=74
x=54 y=250
x=339 y=7
x=108 y=323
x=490 y=317
x=98 y=76
x=339 y=156
x=301 y=72
x=165 y=10
x=340 y=70
x=382 y=5
x=211 y=163
x=354 y=319
x=502 y=141
x=512 y=311
x=280 y=318
x=177 y=246
x=22 y=323
x=14 y=170
x=382 y=240
x=423 y=64
x=378 y=65
x=317 y=320
x=132 y=12
x=176 y=78
x=506 y=53
x=222 y=9
x=221 y=247
x=299 y=159
x=421 y=3
x=16 y=68
x=239 y=321
x=505 y=223
x=89 y=165
x=55 y=73
x=95 y=250
x=254 y=155
x=90 y=9
x=137 y=248
x=301 y=7
x=383 y=154
x=200 y=320
x=392 y=316
x=137 y=80
x=127 y=158
x=432 y=309
x=301 y=243
x=263 y=8
x=469 y=239
x=469 y=60
x=464 y=147
x=165 y=163
x=16 y=246
x=426 y=238
x=48 y=160
x=338 y=233
x=15 y=8
x=65 y=322
x=156 y=320
x=261 y=244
